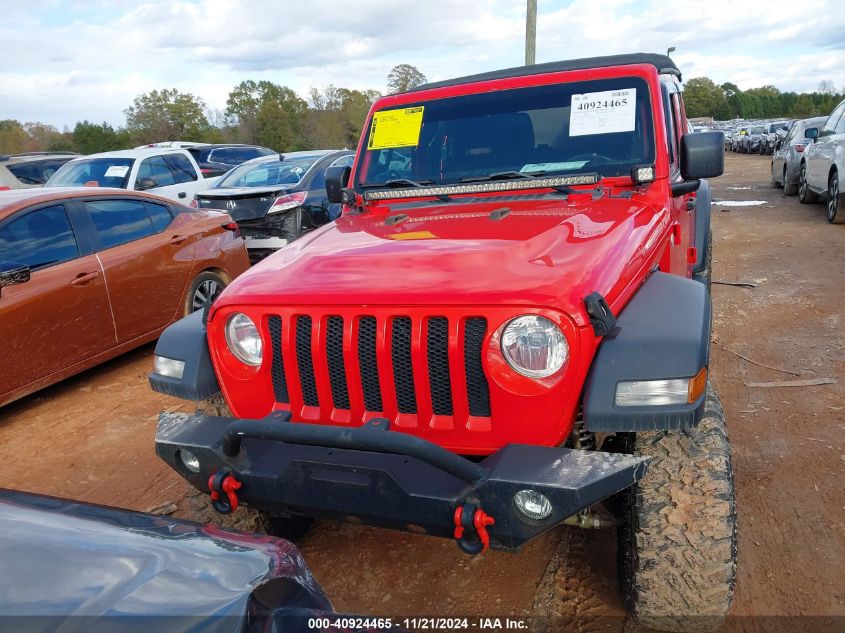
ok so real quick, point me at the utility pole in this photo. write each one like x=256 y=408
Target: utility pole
x=531 y=32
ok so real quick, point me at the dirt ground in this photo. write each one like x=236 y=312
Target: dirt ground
x=91 y=438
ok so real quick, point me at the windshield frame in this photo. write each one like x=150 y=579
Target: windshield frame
x=651 y=132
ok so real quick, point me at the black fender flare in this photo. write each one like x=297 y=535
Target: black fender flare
x=186 y=341
x=703 y=200
x=662 y=333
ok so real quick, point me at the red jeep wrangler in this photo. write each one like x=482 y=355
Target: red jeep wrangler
x=507 y=329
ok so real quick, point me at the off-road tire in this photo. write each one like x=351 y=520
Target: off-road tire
x=835 y=200
x=291 y=527
x=214 y=405
x=805 y=194
x=207 y=277
x=677 y=547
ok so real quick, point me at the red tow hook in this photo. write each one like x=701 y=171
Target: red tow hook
x=223 y=485
x=471 y=524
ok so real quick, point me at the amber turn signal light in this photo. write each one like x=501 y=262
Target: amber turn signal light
x=697 y=385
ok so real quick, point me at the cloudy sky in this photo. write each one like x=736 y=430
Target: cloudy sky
x=70 y=60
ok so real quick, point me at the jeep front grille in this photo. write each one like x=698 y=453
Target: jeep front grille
x=367 y=365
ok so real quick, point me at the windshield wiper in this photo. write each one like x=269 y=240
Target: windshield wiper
x=505 y=175
x=397 y=182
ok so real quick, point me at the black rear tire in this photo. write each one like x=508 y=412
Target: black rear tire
x=805 y=194
x=789 y=189
x=205 y=287
x=678 y=544
x=835 y=201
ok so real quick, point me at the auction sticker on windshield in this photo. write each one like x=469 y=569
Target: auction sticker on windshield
x=116 y=171
x=396 y=128
x=603 y=112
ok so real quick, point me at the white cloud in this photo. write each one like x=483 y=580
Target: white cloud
x=88 y=60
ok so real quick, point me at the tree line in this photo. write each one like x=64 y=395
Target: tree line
x=704 y=98
x=257 y=112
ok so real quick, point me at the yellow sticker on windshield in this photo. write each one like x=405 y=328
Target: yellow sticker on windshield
x=396 y=128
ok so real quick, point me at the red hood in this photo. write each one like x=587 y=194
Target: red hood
x=546 y=251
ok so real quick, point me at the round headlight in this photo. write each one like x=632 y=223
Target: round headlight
x=243 y=339
x=534 y=346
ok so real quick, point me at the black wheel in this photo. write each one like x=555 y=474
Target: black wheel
x=835 y=212
x=289 y=527
x=678 y=545
x=805 y=195
x=205 y=287
x=789 y=189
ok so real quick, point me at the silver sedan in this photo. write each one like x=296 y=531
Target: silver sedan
x=786 y=160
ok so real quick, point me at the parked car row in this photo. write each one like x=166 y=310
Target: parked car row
x=810 y=161
x=758 y=137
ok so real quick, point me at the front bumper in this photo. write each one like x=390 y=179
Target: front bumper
x=389 y=479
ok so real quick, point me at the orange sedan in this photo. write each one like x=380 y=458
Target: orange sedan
x=87 y=274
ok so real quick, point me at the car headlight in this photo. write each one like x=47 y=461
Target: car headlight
x=243 y=339
x=534 y=346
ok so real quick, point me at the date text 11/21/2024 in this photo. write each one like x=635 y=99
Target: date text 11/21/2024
x=420 y=623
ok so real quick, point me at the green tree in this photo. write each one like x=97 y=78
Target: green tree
x=90 y=138
x=13 y=137
x=702 y=97
x=259 y=106
x=167 y=114
x=403 y=78
x=337 y=115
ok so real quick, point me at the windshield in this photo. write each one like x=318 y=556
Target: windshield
x=602 y=126
x=756 y=130
x=93 y=172
x=268 y=173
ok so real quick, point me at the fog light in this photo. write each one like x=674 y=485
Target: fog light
x=189 y=460
x=533 y=504
x=168 y=367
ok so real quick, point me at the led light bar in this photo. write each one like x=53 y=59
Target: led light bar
x=483 y=187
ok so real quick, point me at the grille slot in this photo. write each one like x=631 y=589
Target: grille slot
x=277 y=368
x=439 y=380
x=337 y=366
x=304 y=362
x=368 y=364
x=478 y=391
x=403 y=374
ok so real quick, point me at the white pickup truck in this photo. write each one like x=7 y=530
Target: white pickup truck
x=171 y=173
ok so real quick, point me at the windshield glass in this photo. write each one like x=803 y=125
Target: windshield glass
x=600 y=126
x=268 y=173
x=756 y=130
x=94 y=172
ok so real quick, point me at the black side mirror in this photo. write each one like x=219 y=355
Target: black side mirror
x=12 y=274
x=337 y=178
x=811 y=132
x=145 y=183
x=702 y=155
